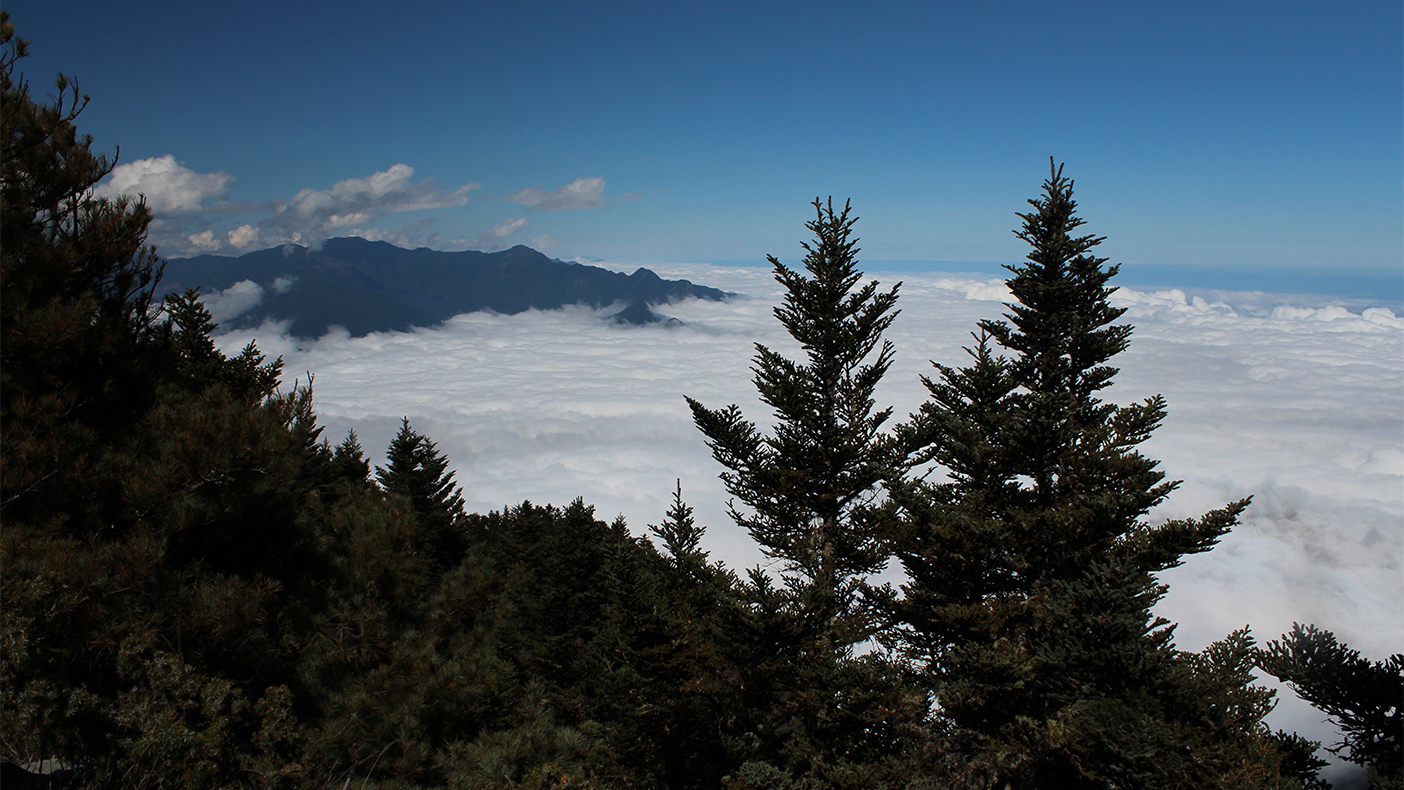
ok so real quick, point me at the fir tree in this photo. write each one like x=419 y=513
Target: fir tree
x=680 y=533
x=1031 y=564
x=348 y=462
x=415 y=469
x=809 y=493
x=1363 y=698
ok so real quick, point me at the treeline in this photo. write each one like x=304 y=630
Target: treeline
x=201 y=591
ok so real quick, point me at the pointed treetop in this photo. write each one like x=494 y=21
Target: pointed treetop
x=679 y=532
x=1060 y=325
x=416 y=468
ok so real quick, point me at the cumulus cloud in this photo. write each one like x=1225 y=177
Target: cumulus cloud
x=204 y=241
x=243 y=236
x=189 y=219
x=316 y=214
x=168 y=186
x=179 y=197
x=578 y=194
x=411 y=235
x=1302 y=409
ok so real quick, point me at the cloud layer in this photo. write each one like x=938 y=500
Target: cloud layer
x=1302 y=408
x=236 y=300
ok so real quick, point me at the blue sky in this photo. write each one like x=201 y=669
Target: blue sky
x=1260 y=142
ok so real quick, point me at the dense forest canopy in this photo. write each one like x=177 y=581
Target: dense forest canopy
x=201 y=590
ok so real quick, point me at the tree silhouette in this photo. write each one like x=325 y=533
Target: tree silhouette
x=1031 y=561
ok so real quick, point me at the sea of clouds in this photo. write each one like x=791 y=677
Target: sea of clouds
x=1300 y=406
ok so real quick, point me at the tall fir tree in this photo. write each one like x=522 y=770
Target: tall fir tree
x=809 y=492
x=679 y=532
x=1031 y=564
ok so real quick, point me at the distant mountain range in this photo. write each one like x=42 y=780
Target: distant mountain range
x=372 y=286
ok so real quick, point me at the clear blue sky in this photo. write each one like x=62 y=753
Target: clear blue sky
x=1258 y=138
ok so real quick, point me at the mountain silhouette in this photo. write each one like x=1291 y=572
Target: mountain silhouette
x=373 y=286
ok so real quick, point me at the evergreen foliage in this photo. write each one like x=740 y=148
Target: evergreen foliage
x=810 y=491
x=79 y=344
x=149 y=490
x=416 y=470
x=679 y=532
x=1031 y=563
x=1362 y=697
x=349 y=462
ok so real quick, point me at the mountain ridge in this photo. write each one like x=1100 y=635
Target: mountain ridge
x=373 y=286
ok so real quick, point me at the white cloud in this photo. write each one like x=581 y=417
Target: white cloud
x=181 y=201
x=316 y=214
x=234 y=301
x=169 y=187
x=493 y=237
x=1302 y=410
x=409 y=236
x=282 y=285
x=204 y=241
x=578 y=194
x=243 y=236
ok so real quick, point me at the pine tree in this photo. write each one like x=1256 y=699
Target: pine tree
x=809 y=493
x=151 y=491
x=1031 y=563
x=79 y=345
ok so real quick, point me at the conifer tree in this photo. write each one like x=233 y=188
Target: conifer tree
x=1031 y=563
x=809 y=492
x=680 y=533
x=348 y=461
x=150 y=491
x=1364 y=698
x=416 y=469
x=79 y=346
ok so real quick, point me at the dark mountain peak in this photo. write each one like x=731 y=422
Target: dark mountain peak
x=639 y=313
x=370 y=286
